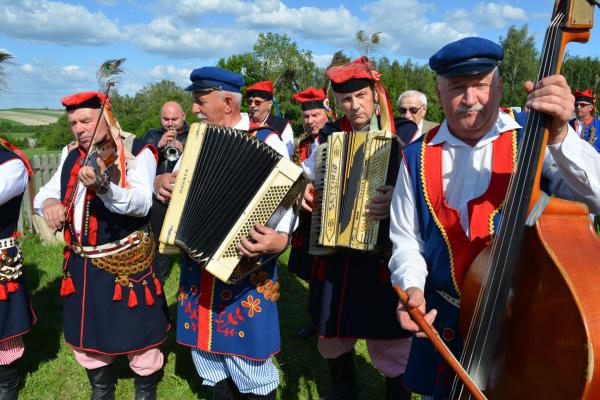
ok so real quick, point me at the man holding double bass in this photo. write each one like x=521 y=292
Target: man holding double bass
x=449 y=195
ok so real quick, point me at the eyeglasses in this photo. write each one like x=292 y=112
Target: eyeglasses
x=582 y=104
x=413 y=110
x=257 y=102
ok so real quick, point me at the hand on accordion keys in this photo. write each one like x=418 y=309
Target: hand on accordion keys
x=379 y=206
x=163 y=186
x=264 y=241
x=307 y=200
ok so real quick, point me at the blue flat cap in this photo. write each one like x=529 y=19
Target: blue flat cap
x=468 y=56
x=215 y=78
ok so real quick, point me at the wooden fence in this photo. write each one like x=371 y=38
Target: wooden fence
x=43 y=168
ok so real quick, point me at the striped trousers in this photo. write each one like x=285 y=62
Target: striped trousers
x=257 y=377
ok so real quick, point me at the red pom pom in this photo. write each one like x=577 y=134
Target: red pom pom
x=12 y=286
x=157 y=286
x=149 y=298
x=133 y=302
x=3 y=295
x=66 y=286
x=118 y=294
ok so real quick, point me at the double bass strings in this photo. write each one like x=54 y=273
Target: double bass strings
x=514 y=207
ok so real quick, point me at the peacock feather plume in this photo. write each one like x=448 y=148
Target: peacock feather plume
x=109 y=72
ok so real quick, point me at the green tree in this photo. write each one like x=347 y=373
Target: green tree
x=277 y=58
x=582 y=73
x=520 y=64
x=57 y=134
x=138 y=113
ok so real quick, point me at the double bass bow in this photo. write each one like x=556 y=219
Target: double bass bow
x=529 y=303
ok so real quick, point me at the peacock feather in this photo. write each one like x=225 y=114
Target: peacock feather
x=109 y=72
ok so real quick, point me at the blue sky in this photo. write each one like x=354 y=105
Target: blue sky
x=58 y=45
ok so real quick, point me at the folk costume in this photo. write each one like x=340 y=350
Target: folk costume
x=159 y=209
x=280 y=125
x=112 y=302
x=354 y=298
x=588 y=130
x=233 y=329
x=16 y=314
x=447 y=204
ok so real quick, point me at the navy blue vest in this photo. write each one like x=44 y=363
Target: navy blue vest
x=92 y=320
x=16 y=314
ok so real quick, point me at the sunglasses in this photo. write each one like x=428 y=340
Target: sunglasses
x=257 y=102
x=413 y=110
x=582 y=104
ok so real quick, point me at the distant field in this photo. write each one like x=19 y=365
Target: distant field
x=38 y=151
x=30 y=116
x=10 y=121
x=19 y=135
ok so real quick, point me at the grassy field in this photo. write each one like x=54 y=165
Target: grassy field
x=52 y=372
x=30 y=117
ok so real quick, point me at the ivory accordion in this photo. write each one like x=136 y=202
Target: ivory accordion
x=227 y=183
x=350 y=167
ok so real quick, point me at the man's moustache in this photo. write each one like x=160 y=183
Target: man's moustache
x=473 y=108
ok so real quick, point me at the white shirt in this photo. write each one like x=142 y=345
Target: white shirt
x=287 y=136
x=14 y=179
x=134 y=201
x=572 y=167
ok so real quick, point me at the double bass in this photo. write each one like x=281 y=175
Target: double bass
x=530 y=304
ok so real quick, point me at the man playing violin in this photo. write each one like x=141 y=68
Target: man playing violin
x=112 y=302
x=447 y=175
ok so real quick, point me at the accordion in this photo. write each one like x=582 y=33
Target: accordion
x=350 y=167
x=227 y=183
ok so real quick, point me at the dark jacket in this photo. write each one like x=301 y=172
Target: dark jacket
x=153 y=136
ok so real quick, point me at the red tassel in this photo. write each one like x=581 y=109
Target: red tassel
x=118 y=294
x=12 y=286
x=3 y=295
x=133 y=302
x=149 y=298
x=157 y=286
x=66 y=286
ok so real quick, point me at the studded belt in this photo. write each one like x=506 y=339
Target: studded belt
x=450 y=299
x=7 y=243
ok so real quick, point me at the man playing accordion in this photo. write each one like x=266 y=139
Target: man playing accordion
x=233 y=329
x=354 y=298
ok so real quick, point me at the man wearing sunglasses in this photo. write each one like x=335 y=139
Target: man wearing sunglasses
x=585 y=123
x=260 y=101
x=412 y=105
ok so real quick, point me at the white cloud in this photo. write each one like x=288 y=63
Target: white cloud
x=406 y=30
x=162 y=36
x=322 y=60
x=330 y=24
x=487 y=15
x=27 y=68
x=170 y=72
x=56 y=22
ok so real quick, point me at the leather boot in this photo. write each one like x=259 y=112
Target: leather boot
x=145 y=386
x=225 y=390
x=103 y=383
x=10 y=381
x=342 y=372
x=395 y=390
x=269 y=396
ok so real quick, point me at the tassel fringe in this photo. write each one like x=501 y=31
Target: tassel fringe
x=133 y=301
x=149 y=298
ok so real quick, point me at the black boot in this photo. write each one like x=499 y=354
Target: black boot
x=342 y=372
x=395 y=390
x=225 y=390
x=103 y=383
x=145 y=386
x=10 y=381
x=269 y=396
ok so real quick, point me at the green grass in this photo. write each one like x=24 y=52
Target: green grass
x=10 y=121
x=39 y=151
x=50 y=113
x=20 y=135
x=53 y=373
